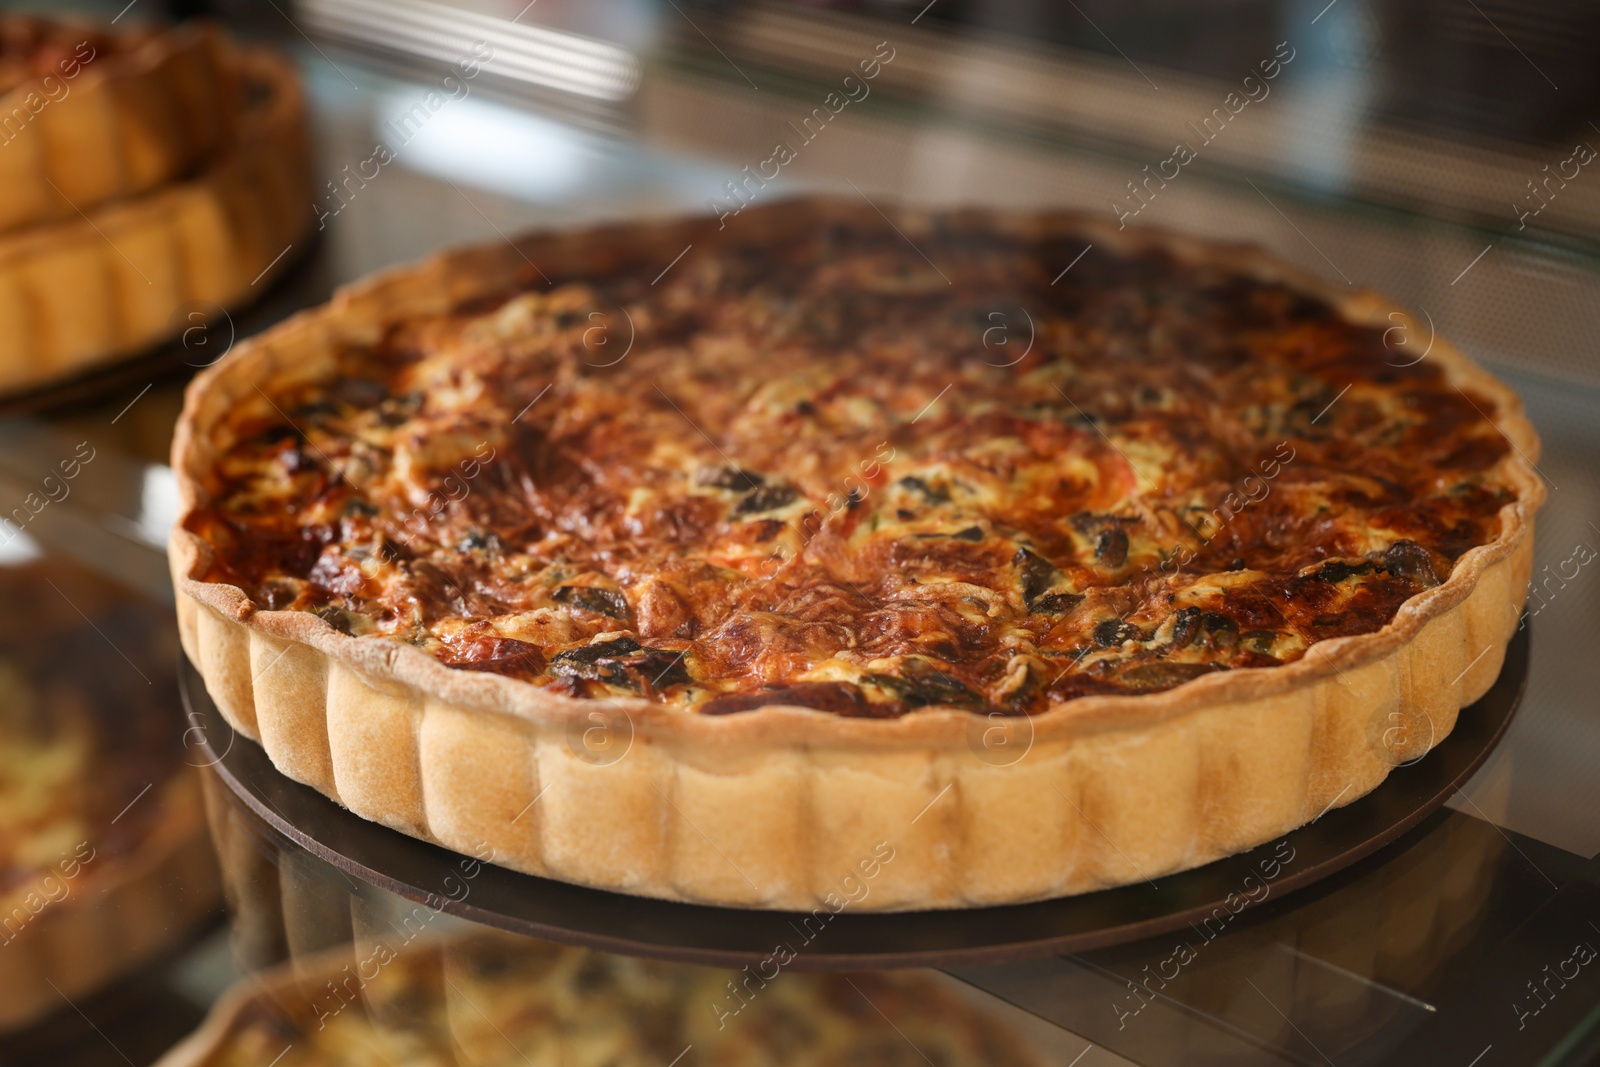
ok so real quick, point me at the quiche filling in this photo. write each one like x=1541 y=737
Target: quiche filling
x=861 y=476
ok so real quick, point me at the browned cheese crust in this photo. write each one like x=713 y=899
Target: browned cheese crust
x=832 y=473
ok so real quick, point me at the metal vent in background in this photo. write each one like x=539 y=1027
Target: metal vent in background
x=550 y=59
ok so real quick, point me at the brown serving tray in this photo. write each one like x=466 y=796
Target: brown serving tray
x=612 y=922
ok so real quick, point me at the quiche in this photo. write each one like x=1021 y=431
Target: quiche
x=700 y=559
x=492 y=999
x=104 y=854
x=111 y=243
x=90 y=114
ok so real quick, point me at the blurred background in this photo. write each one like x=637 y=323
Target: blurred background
x=1438 y=151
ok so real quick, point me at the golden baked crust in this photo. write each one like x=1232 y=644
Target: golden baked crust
x=633 y=795
x=490 y=998
x=94 y=288
x=88 y=116
x=105 y=859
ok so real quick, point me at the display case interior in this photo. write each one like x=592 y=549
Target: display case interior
x=1418 y=149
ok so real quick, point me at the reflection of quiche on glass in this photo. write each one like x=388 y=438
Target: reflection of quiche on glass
x=490 y=999
x=1186 y=553
x=104 y=859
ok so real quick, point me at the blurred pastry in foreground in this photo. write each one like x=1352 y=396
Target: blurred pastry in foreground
x=493 y=999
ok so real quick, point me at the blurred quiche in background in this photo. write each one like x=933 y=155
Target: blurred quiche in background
x=104 y=856
x=147 y=172
x=490 y=999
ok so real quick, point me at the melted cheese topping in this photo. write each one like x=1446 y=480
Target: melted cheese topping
x=831 y=475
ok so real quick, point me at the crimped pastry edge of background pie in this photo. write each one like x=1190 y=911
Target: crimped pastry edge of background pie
x=90 y=290
x=119 y=913
x=126 y=123
x=772 y=808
